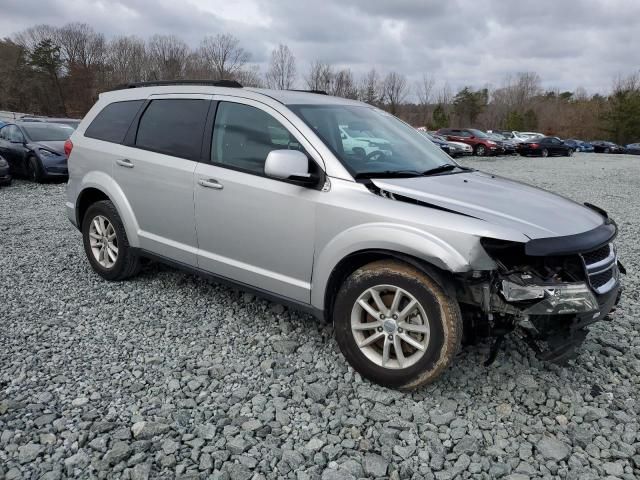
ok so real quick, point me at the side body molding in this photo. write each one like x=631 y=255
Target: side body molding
x=107 y=185
x=382 y=236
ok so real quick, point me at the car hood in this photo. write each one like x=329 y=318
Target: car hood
x=532 y=211
x=54 y=146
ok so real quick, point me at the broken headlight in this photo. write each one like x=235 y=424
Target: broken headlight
x=556 y=299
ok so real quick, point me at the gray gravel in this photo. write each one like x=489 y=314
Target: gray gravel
x=169 y=375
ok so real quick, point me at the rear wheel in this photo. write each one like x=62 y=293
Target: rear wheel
x=481 y=151
x=607 y=150
x=545 y=152
x=106 y=244
x=395 y=325
x=569 y=152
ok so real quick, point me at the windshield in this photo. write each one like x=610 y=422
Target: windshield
x=367 y=140
x=44 y=132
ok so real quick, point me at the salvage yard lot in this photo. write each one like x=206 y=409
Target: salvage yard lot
x=172 y=375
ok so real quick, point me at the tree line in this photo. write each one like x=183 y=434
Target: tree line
x=51 y=70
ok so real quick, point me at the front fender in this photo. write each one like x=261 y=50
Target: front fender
x=382 y=236
x=107 y=185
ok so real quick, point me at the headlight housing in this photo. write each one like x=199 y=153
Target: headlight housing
x=558 y=299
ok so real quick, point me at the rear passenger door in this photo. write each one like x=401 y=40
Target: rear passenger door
x=251 y=228
x=156 y=174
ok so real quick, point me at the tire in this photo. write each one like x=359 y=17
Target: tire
x=416 y=367
x=569 y=152
x=480 y=151
x=607 y=150
x=34 y=170
x=545 y=152
x=126 y=262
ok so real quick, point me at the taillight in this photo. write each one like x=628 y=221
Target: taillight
x=68 y=146
x=534 y=145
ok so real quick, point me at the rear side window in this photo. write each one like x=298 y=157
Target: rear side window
x=112 y=123
x=174 y=127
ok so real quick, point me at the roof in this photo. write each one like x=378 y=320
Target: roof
x=287 y=97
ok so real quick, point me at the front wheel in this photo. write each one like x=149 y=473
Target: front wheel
x=34 y=170
x=607 y=150
x=106 y=244
x=569 y=152
x=395 y=325
x=481 y=151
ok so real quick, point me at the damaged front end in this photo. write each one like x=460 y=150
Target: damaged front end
x=548 y=294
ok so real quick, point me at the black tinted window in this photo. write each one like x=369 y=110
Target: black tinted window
x=174 y=127
x=112 y=123
x=243 y=137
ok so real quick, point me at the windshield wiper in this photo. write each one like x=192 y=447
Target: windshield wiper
x=389 y=174
x=445 y=167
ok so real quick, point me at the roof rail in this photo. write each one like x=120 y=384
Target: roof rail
x=319 y=92
x=161 y=83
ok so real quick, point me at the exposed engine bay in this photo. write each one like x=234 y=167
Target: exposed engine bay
x=547 y=300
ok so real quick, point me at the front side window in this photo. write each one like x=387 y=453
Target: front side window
x=375 y=142
x=14 y=134
x=244 y=135
x=113 y=121
x=173 y=126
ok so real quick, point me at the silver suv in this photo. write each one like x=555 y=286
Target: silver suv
x=407 y=253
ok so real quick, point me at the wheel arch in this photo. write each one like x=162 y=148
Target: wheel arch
x=98 y=186
x=355 y=260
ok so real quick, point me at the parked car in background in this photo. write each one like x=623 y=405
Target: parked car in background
x=507 y=144
x=530 y=135
x=579 y=145
x=361 y=142
x=603 y=146
x=510 y=135
x=70 y=122
x=479 y=141
x=5 y=171
x=35 y=149
x=544 y=147
x=633 y=149
x=459 y=149
x=443 y=144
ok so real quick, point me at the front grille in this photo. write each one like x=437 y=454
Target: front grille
x=601 y=268
x=596 y=255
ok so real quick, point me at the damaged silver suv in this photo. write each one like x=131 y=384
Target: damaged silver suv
x=340 y=209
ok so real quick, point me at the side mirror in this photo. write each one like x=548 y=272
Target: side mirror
x=289 y=165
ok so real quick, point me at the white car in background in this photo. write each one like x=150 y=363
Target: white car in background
x=354 y=140
x=459 y=148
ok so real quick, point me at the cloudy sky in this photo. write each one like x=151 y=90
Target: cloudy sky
x=570 y=43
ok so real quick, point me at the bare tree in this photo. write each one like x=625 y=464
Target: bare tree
x=31 y=37
x=224 y=54
x=127 y=60
x=167 y=57
x=370 y=90
x=249 y=77
x=344 y=85
x=282 y=69
x=424 y=91
x=320 y=77
x=81 y=45
x=394 y=91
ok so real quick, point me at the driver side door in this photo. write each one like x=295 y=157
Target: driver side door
x=12 y=148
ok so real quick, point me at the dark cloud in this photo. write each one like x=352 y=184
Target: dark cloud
x=463 y=42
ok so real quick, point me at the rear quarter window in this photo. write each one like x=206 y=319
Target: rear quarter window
x=113 y=121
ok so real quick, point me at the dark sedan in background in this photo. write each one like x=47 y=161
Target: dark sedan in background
x=443 y=144
x=601 y=146
x=544 y=147
x=633 y=149
x=35 y=149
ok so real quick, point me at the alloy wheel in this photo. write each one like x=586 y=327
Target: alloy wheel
x=390 y=326
x=103 y=241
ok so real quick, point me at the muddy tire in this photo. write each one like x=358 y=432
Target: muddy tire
x=395 y=325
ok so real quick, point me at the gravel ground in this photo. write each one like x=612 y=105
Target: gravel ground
x=169 y=375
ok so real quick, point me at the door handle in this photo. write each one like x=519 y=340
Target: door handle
x=125 y=162
x=210 y=183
